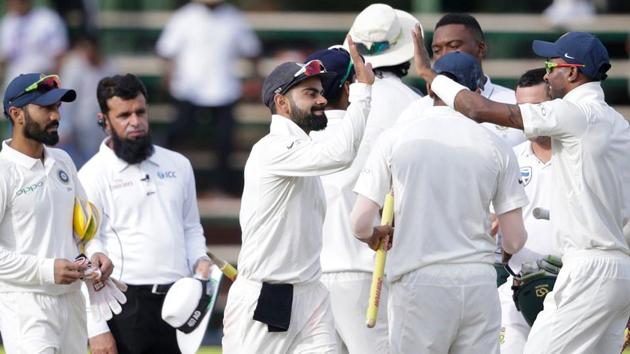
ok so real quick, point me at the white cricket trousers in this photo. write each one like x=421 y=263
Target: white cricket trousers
x=514 y=328
x=349 y=294
x=445 y=308
x=311 y=329
x=34 y=323
x=588 y=308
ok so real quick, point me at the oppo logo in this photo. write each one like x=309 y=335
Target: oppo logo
x=29 y=189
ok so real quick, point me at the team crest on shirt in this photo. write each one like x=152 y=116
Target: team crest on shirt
x=63 y=176
x=526 y=175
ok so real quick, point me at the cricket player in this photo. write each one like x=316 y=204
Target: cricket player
x=442 y=296
x=278 y=304
x=41 y=306
x=534 y=159
x=588 y=308
x=462 y=32
x=346 y=263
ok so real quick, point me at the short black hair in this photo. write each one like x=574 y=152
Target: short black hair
x=466 y=20
x=531 y=78
x=126 y=87
x=399 y=70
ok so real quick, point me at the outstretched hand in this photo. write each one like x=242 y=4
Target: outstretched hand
x=362 y=70
x=421 y=61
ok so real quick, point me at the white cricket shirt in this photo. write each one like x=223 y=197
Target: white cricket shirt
x=590 y=144
x=538 y=185
x=36 y=208
x=341 y=251
x=150 y=225
x=283 y=204
x=205 y=45
x=445 y=171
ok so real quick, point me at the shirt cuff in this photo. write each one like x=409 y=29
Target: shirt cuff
x=527 y=120
x=446 y=89
x=94 y=328
x=359 y=91
x=47 y=271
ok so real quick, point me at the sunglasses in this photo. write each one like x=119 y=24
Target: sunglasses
x=377 y=47
x=549 y=66
x=311 y=68
x=44 y=84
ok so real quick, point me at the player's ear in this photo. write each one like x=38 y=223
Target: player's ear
x=282 y=103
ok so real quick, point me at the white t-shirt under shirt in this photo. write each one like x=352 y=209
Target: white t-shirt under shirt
x=446 y=170
x=590 y=201
x=538 y=185
x=341 y=251
x=283 y=204
x=36 y=210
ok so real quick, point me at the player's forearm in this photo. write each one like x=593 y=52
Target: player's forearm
x=513 y=231
x=362 y=218
x=475 y=106
x=26 y=269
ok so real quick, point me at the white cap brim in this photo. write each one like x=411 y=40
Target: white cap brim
x=402 y=51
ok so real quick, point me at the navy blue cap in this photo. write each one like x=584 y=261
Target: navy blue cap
x=282 y=78
x=463 y=67
x=577 y=48
x=13 y=94
x=335 y=59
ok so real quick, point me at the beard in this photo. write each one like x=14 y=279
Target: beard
x=308 y=120
x=132 y=151
x=34 y=132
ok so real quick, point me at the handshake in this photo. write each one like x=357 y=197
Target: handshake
x=105 y=296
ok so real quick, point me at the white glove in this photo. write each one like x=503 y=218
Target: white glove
x=105 y=298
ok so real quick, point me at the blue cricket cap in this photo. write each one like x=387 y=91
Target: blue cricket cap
x=15 y=96
x=463 y=67
x=577 y=48
x=287 y=75
x=335 y=59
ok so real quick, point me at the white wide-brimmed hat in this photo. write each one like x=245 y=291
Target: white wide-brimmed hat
x=188 y=306
x=383 y=35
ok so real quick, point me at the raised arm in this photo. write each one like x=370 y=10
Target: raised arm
x=470 y=104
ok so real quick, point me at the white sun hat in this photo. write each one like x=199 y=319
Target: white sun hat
x=188 y=307
x=383 y=35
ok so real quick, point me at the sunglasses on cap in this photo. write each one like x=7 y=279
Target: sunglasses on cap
x=549 y=66
x=377 y=47
x=311 y=68
x=44 y=84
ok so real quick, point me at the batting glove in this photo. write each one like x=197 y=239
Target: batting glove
x=105 y=298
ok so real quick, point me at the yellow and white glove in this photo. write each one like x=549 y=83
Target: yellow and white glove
x=86 y=221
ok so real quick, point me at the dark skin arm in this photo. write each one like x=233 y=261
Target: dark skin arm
x=468 y=103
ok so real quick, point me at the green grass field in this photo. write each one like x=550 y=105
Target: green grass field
x=203 y=350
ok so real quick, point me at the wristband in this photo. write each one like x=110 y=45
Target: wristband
x=446 y=89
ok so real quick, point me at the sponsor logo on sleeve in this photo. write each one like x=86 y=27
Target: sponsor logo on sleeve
x=63 y=176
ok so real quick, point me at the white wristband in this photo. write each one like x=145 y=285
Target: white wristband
x=446 y=89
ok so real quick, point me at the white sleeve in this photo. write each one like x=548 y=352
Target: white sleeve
x=248 y=43
x=22 y=268
x=558 y=118
x=375 y=178
x=193 y=231
x=94 y=328
x=510 y=193
x=172 y=37
x=305 y=157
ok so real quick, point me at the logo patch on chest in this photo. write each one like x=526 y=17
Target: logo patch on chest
x=166 y=174
x=526 y=175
